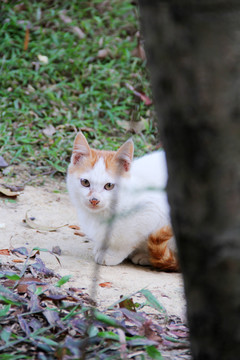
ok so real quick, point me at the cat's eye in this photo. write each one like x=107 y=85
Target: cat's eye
x=109 y=186
x=85 y=182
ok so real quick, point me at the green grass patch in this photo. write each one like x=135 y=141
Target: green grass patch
x=77 y=86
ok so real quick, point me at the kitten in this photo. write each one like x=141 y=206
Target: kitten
x=121 y=204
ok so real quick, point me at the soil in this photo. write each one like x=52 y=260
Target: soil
x=50 y=206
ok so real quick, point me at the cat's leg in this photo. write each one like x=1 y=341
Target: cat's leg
x=140 y=258
x=110 y=256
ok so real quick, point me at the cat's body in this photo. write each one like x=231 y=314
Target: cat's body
x=121 y=203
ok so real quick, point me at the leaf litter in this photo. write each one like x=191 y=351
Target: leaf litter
x=41 y=319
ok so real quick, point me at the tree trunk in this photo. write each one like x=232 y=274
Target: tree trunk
x=193 y=52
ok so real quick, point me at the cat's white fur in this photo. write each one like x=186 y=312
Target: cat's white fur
x=137 y=206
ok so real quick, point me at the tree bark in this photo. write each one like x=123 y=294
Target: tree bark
x=193 y=53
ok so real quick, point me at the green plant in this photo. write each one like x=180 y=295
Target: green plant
x=81 y=82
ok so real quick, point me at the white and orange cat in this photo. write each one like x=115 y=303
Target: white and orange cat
x=122 y=205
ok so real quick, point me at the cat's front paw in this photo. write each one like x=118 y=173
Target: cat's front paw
x=107 y=257
x=140 y=259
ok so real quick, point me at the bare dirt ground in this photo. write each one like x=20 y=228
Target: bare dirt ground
x=50 y=205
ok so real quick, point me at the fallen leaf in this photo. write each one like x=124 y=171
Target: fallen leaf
x=41 y=268
x=11 y=296
x=8 y=192
x=56 y=250
x=23 y=283
x=79 y=233
x=52 y=317
x=18 y=260
x=103 y=53
x=33 y=225
x=75 y=227
x=4 y=252
x=128 y=304
x=77 y=31
x=34 y=303
x=87 y=129
x=14 y=188
x=73 y=346
x=43 y=59
x=139 y=50
x=35 y=324
x=3 y=163
x=19 y=7
x=67 y=127
x=21 y=251
x=133 y=126
x=106 y=284
x=24 y=325
x=66 y=19
x=49 y=130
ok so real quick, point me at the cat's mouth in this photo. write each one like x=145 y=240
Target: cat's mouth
x=95 y=208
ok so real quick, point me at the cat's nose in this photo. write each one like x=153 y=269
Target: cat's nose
x=94 y=201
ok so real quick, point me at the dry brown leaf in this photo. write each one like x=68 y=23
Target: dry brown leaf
x=77 y=31
x=49 y=130
x=66 y=19
x=106 y=284
x=79 y=233
x=14 y=188
x=139 y=50
x=4 y=252
x=18 y=260
x=8 y=192
x=133 y=126
x=33 y=225
x=75 y=227
x=67 y=127
x=3 y=163
x=24 y=283
x=57 y=250
x=87 y=129
x=103 y=53
x=43 y=59
x=19 y=7
x=127 y=304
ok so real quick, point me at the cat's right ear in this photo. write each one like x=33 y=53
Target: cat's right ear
x=80 y=148
x=124 y=155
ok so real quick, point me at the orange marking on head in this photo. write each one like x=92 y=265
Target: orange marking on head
x=88 y=162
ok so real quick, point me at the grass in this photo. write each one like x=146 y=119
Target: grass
x=76 y=88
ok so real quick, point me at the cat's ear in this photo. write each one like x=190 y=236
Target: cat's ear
x=124 y=155
x=80 y=148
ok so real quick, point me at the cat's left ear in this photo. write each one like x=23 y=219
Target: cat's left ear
x=124 y=155
x=80 y=148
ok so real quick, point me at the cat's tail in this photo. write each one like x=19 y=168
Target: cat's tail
x=161 y=256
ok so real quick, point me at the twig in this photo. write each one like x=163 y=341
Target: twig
x=49 y=172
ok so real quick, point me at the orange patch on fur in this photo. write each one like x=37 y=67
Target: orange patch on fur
x=86 y=163
x=160 y=255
